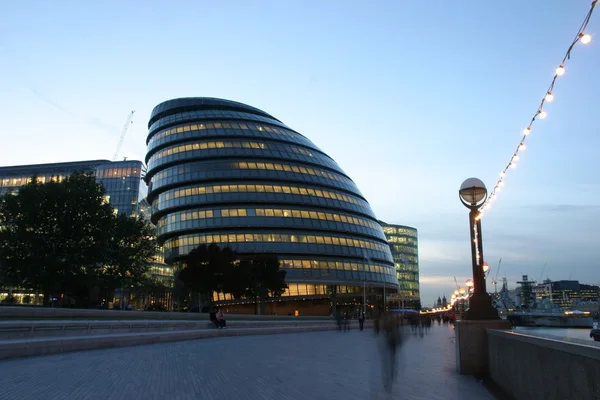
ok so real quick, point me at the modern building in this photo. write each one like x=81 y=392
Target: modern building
x=225 y=172
x=121 y=179
x=567 y=293
x=404 y=245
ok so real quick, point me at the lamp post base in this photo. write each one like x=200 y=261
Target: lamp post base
x=480 y=308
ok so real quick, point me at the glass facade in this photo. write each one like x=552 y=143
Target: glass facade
x=224 y=172
x=121 y=179
x=122 y=183
x=404 y=244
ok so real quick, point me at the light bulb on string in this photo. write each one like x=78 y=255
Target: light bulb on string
x=585 y=38
x=582 y=37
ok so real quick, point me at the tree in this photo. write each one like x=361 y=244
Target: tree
x=206 y=270
x=264 y=278
x=131 y=249
x=54 y=235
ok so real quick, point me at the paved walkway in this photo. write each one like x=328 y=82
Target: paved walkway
x=311 y=366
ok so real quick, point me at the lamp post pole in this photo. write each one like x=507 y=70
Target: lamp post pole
x=365 y=287
x=473 y=194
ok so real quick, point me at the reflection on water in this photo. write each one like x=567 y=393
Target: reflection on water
x=566 y=333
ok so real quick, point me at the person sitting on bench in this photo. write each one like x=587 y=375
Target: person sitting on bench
x=221 y=318
x=213 y=317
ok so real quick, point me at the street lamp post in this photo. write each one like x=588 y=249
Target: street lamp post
x=473 y=194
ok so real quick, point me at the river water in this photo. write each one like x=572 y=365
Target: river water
x=565 y=333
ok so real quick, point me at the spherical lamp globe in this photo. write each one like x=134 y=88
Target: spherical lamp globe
x=472 y=191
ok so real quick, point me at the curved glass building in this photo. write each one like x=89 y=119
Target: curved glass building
x=404 y=244
x=225 y=172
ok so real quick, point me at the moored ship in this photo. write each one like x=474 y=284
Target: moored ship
x=566 y=319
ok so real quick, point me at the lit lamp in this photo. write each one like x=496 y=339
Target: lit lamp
x=473 y=194
x=486 y=267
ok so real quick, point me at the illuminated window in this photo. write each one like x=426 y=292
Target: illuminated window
x=194 y=240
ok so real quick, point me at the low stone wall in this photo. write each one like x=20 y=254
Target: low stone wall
x=529 y=367
x=13 y=330
x=9 y=312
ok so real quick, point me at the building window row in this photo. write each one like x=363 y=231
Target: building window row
x=221 y=145
x=218 y=125
x=103 y=173
x=291 y=168
x=195 y=240
x=397 y=248
x=407 y=267
x=298 y=190
x=400 y=239
x=162 y=270
x=198 y=169
x=264 y=212
x=390 y=230
x=24 y=180
x=302 y=289
x=339 y=265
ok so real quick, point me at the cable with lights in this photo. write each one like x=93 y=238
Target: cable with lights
x=582 y=37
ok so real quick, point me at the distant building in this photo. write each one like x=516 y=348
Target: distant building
x=404 y=245
x=567 y=294
x=121 y=179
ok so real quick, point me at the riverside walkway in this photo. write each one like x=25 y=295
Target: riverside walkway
x=319 y=365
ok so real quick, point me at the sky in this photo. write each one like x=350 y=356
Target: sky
x=409 y=97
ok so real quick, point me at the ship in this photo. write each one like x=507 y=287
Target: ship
x=552 y=319
x=545 y=313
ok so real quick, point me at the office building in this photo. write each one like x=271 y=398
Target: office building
x=121 y=179
x=404 y=245
x=225 y=172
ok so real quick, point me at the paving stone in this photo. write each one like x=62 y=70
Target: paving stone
x=319 y=365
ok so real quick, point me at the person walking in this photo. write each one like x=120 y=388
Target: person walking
x=361 y=320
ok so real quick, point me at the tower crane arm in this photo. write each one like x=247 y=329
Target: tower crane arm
x=128 y=123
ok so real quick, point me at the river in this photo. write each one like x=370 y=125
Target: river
x=565 y=333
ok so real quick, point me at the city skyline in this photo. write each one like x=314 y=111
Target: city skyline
x=425 y=96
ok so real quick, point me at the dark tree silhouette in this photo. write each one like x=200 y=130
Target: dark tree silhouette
x=263 y=278
x=206 y=269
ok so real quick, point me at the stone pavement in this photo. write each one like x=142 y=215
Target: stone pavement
x=320 y=365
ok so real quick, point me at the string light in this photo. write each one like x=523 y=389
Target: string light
x=581 y=37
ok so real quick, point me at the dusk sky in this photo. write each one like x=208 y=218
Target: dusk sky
x=409 y=97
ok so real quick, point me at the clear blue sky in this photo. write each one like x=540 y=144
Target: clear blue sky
x=410 y=97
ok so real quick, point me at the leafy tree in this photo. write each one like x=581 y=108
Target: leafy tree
x=54 y=235
x=205 y=270
x=264 y=278
x=131 y=249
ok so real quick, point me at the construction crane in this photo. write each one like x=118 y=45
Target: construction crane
x=128 y=123
x=495 y=280
x=542 y=274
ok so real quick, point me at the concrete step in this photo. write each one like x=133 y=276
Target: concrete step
x=69 y=313
x=14 y=330
x=53 y=345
